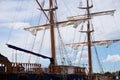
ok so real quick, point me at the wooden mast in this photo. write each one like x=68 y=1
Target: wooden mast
x=52 y=32
x=89 y=40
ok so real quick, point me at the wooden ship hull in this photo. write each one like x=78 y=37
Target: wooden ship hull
x=32 y=71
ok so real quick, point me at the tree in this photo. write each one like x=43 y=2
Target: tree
x=107 y=74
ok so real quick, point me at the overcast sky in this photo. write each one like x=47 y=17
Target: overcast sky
x=18 y=14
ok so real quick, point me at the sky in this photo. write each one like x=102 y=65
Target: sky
x=15 y=15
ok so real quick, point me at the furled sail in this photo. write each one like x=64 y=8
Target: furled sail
x=94 y=43
x=110 y=12
x=62 y=23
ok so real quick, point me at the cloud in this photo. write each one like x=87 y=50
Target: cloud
x=81 y=56
x=16 y=25
x=14 y=10
x=112 y=58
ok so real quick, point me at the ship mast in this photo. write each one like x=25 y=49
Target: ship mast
x=51 y=26
x=89 y=40
x=52 y=32
x=89 y=15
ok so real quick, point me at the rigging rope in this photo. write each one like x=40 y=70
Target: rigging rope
x=81 y=3
x=80 y=59
x=91 y=2
x=41 y=44
x=33 y=44
x=13 y=20
x=34 y=39
x=42 y=10
x=12 y=55
x=100 y=65
x=35 y=36
x=74 y=50
x=67 y=8
x=115 y=24
x=10 y=33
x=44 y=31
x=79 y=40
x=56 y=2
x=62 y=45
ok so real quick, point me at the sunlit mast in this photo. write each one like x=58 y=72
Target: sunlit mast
x=51 y=11
x=51 y=26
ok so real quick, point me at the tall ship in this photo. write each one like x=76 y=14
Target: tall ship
x=64 y=69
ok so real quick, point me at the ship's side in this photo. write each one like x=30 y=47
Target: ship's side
x=33 y=71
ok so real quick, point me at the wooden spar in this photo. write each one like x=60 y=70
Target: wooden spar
x=71 y=20
x=46 y=26
x=94 y=14
x=94 y=43
x=42 y=9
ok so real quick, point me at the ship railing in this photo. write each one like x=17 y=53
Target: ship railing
x=26 y=68
x=69 y=70
x=80 y=70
